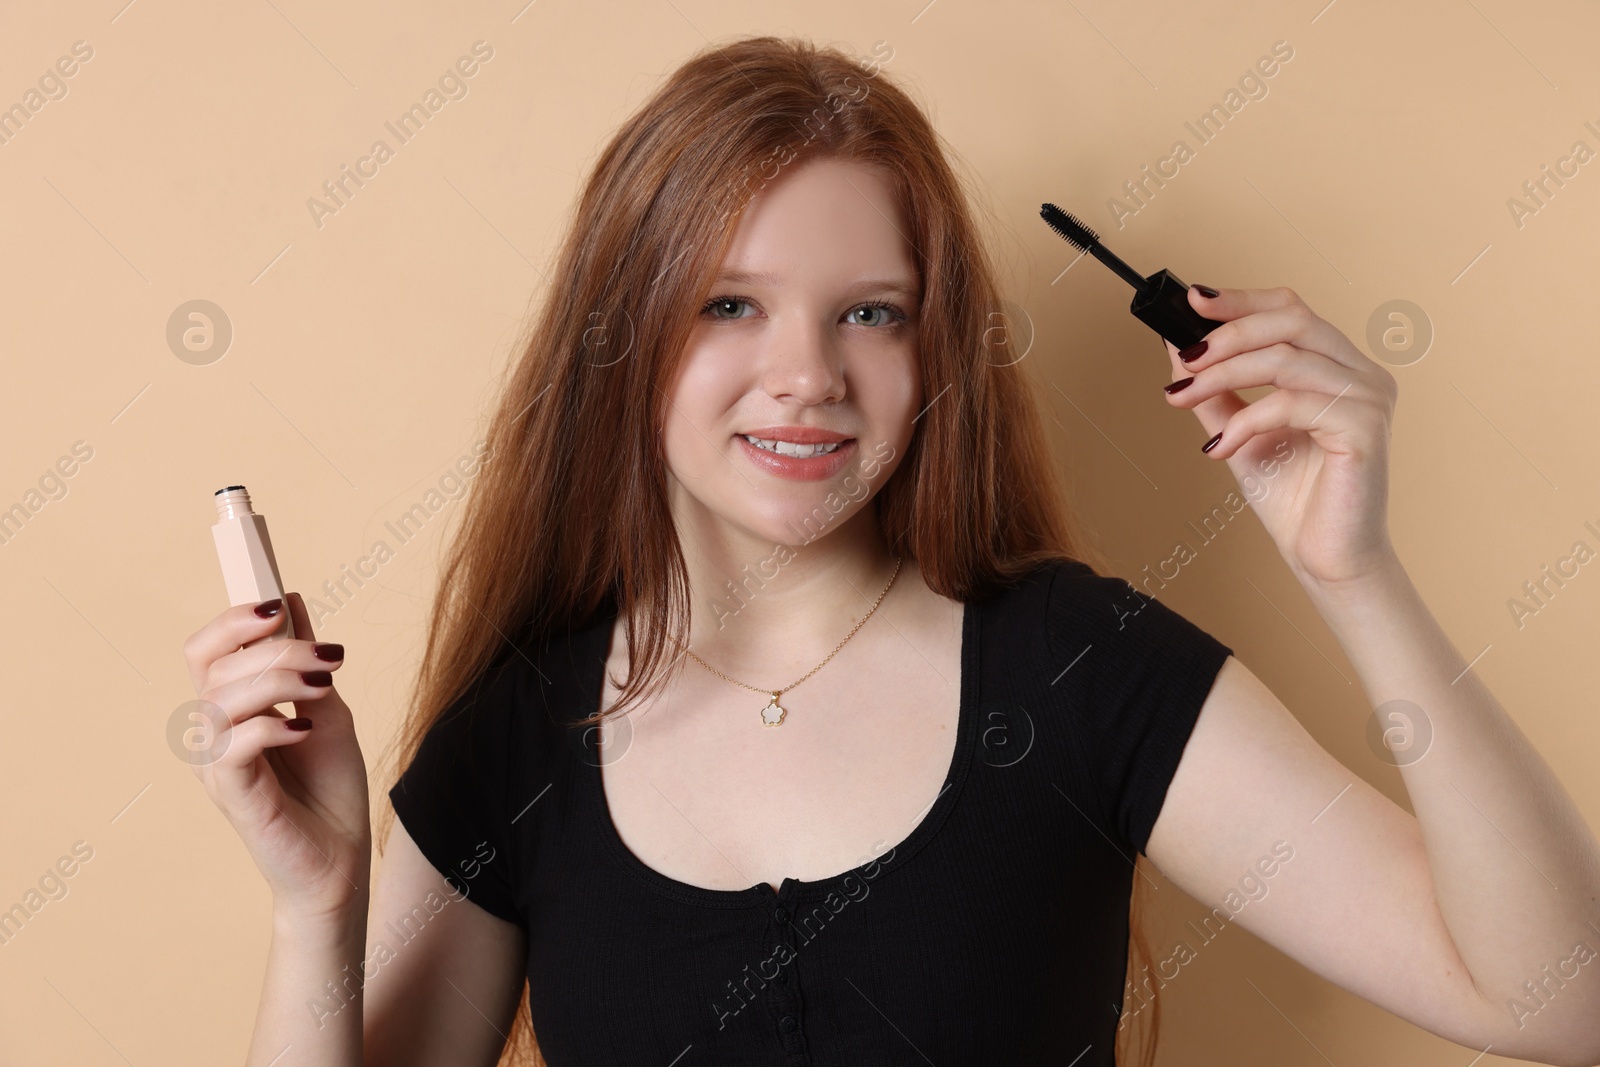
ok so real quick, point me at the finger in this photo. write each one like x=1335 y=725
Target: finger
x=212 y=746
x=226 y=633
x=1213 y=411
x=302 y=618
x=1230 y=304
x=1293 y=324
x=245 y=698
x=1282 y=365
x=306 y=706
x=1339 y=424
x=288 y=655
x=234 y=776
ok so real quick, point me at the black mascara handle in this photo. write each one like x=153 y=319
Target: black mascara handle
x=1164 y=307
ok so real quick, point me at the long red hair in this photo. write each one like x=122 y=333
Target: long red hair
x=554 y=520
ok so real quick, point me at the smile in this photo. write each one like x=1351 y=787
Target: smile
x=809 y=462
x=789 y=448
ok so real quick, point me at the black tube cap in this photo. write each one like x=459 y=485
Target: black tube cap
x=1164 y=307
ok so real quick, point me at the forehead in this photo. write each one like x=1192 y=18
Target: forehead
x=823 y=220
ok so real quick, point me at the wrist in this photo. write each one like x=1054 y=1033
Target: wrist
x=1378 y=576
x=1366 y=604
x=337 y=925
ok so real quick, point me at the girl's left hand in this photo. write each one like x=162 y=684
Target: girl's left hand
x=1318 y=443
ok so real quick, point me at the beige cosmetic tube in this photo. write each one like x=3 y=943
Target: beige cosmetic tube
x=245 y=552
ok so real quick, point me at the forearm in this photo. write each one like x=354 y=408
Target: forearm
x=1516 y=870
x=311 y=998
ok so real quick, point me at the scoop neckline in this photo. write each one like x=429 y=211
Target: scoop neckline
x=597 y=809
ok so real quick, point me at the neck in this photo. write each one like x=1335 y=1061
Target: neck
x=769 y=609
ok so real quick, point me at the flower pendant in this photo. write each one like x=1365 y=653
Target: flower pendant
x=772 y=714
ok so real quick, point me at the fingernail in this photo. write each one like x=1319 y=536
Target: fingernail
x=330 y=653
x=268 y=608
x=1209 y=445
x=1207 y=291
x=316 y=677
x=297 y=724
x=1193 y=352
x=1179 y=384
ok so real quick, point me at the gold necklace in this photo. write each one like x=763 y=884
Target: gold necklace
x=772 y=714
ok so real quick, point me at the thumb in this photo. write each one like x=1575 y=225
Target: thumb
x=303 y=632
x=300 y=617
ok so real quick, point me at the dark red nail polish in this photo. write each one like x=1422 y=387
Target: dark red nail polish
x=1194 y=352
x=330 y=653
x=1207 y=291
x=268 y=608
x=1209 y=445
x=1181 y=383
x=297 y=724
x=316 y=677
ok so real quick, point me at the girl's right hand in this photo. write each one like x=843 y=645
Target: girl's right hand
x=298 y=797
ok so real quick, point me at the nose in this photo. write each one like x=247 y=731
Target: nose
x=803 y=362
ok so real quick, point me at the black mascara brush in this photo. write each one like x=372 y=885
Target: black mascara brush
x=1160 y=301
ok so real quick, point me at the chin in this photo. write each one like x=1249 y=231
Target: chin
x=798 y=523
x=776 y=513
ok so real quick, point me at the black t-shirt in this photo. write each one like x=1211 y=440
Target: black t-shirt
x=995 y=932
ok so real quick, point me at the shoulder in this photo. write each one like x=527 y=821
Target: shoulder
x=1092 y=633
x=518 y=702
x=1064 y=602
x=469 y=738
x=1065 y=597
x=1124 y=622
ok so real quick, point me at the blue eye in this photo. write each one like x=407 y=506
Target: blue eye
x=720 y=302
x=895 y=315
x=886 y=310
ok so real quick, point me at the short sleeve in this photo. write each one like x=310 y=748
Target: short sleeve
x=1139 y=674
x=453 y=797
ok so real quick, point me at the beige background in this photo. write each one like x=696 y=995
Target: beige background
x=178 y=166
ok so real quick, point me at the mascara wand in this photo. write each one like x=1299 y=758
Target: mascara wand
x=1160 y=301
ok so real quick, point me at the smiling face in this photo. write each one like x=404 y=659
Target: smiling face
x=809 y=339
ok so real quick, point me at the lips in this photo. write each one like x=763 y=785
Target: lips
x=799 y=435
x=798 y=468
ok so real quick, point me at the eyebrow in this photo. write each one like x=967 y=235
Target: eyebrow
x=902 y=286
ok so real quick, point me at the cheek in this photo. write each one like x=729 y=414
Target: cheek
x=889 y=391
x=683 y=447
x=712 y=369
x=703 y=389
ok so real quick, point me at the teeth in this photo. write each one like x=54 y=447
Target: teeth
x=789 y=448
